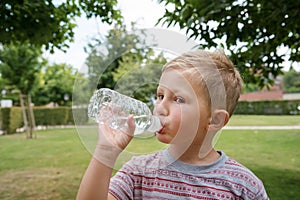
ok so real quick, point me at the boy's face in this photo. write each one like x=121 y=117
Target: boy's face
x=182 y=108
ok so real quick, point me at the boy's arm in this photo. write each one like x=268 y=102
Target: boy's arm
x=95 y=182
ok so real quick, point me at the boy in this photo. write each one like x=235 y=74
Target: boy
x=196 y=96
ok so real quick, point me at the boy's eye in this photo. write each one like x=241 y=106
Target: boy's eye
x=160 y=97
x=179 y=100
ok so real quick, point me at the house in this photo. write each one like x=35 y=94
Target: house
x=275 y=92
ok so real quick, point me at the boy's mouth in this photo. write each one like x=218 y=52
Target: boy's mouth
x=160 y=131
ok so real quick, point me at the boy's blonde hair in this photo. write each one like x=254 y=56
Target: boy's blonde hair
x=214 y=73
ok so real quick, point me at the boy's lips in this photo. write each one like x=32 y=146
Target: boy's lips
x=162 y=126
x=160 y=130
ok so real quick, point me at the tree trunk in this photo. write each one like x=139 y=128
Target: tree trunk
x=31 y=117
x=24 y=114
x=28 y=115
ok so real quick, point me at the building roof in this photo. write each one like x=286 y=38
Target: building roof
x=261 y=96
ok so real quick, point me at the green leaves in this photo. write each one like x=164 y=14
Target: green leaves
x=291 y=81
x=105 y=56
x=122 y=62
x=252 y=30
x=20 y=65
x=49 y=23
x=55 y=85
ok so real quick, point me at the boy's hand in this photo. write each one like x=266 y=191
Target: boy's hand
x=111 y=142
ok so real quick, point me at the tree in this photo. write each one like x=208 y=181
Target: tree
x=139 y=78
x=105 y=56
x=291 y=81
x=19 y=66
x=3 y=86
x=253 y=31
x=50 y=22
x=56 y=85
x=80 y=90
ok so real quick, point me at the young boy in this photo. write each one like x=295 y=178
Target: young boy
x=196 y=96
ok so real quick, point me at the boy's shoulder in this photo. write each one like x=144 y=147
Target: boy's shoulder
x=242 y=180
x=237 y=171
x=147 y=162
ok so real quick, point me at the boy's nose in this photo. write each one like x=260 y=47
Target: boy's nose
x=160 y=109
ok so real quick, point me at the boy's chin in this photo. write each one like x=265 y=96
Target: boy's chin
x=162 y=138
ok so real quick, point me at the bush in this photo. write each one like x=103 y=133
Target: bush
x=51 y=116
x=16 y=119
x=11 y=118
x=60 y=116
x=4 y=119
x=280 y=107
x=70 y=120
x=80 y=116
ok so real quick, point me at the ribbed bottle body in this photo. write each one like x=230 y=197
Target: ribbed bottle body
x=114 y=108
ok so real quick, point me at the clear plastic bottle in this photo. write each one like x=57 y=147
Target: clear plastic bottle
x=114 y=108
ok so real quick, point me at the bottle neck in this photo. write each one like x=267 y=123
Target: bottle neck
x=155 y=124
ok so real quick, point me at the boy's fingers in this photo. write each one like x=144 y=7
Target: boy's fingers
x=131 y=125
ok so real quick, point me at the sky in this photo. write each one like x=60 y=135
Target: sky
x=144 y=12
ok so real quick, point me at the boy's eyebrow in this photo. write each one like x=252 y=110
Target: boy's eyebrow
x=173 y=90
x=158 y=88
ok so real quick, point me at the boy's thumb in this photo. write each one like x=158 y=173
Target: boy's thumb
x=131 y=125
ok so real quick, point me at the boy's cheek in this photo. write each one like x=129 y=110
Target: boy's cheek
x=177 y=120
x=155 y=110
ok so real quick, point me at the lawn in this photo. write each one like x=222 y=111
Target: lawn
x=264 y=120
x=51 y=166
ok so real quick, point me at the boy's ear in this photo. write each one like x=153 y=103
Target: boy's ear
x=219 y=119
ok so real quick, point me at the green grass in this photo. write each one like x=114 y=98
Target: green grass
x=51 y=166
x=264 y=120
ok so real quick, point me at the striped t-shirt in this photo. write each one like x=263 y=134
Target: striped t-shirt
x=160 y=176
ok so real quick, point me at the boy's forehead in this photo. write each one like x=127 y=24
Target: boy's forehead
x=175 y=80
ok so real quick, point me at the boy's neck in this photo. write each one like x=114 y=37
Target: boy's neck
x=193 y=157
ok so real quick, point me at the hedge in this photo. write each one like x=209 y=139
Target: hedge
x=4 y=119
x=51 y=116
x=280 y=107
x=16 y=119
x=11 y=118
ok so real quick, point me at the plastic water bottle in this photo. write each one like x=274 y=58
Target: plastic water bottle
x=114 y=108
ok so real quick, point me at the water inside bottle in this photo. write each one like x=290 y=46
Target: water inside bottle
x=142 y=122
